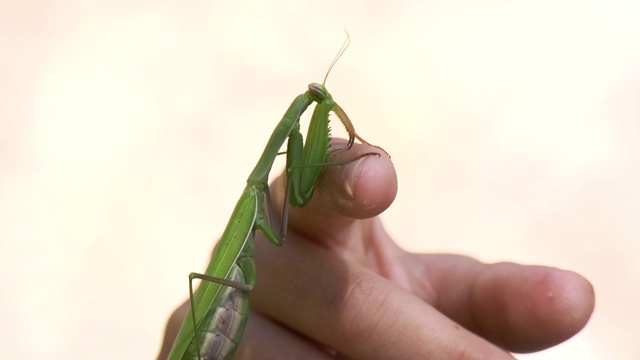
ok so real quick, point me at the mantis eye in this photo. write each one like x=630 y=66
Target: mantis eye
x=319 y=91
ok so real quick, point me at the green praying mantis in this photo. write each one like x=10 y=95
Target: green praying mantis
x=219 y=308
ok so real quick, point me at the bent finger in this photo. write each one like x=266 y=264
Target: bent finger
x=346 y=191
x=522 y=308
x=355 y=311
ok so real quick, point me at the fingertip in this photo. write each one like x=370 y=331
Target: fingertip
x=358 y=183
x=365 y=187
x=568 y=302
x=373 y=185
x=529 y=308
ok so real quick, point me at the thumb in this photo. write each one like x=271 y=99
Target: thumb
x=352 y=186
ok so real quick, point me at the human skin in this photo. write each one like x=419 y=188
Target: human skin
x=340 y=287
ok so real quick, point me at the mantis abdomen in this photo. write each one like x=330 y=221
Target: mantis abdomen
x=221 y=336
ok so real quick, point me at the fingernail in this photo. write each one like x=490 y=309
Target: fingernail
x=351 y=175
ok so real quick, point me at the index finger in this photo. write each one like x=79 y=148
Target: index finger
x=351 y=187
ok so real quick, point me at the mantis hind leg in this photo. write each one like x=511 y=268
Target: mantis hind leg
x=234 y=284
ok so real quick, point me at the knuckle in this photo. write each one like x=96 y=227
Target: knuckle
x=363 y=310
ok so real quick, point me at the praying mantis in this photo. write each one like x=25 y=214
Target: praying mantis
x=219 y=308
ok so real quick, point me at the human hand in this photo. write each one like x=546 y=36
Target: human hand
x=340 y=287
x=342 y=283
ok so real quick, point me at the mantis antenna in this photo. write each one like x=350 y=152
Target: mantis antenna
x=344 y=47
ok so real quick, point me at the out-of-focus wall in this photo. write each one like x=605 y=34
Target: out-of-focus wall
x=128 y=130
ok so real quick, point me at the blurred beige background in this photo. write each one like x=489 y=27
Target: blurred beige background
x=129 y=128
